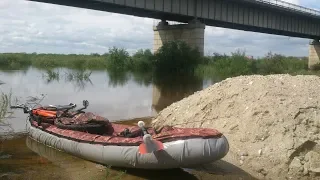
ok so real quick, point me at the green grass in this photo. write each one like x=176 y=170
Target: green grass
x=4 y=105
x=223 y=66
x=5 y=102
x=11 y=61
x=110 y=175
x=71 y=61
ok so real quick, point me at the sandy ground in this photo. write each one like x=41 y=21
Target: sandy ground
x=272 y=122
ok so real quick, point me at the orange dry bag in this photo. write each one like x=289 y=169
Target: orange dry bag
x=44 y=113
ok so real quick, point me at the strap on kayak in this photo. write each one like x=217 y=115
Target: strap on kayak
x=126 y=133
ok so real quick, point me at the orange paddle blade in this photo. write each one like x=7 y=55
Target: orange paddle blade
x=143 y=148
x=150 y=147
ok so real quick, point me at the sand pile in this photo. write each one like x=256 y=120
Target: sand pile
x=272 y=122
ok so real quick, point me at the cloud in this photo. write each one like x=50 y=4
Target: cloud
x=293 y=1
x=38 y=27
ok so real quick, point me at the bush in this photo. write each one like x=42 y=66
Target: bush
x=277 y=64
x=118 y=59
x=142 y=61
x=176 y=57
x=224 y=66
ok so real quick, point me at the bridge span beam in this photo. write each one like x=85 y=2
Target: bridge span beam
x=314 y=54
x=191 y=33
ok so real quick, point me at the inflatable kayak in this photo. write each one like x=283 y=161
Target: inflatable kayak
x=95 y=138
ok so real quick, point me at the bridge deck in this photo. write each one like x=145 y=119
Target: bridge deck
x=265 y=16
x=290 y=6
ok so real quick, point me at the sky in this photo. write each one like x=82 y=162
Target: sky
x=46 y=28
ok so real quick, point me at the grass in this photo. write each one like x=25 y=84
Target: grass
x=109 y=174
x=10 y=61
x=223 y=66
x=5 y=103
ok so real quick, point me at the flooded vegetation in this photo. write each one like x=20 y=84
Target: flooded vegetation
x=173 y=57
x=5 y=114
x=119 y=87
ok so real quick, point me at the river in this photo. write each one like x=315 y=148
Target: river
x=118 y=97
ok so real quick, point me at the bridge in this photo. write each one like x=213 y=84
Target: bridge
x=264 y=16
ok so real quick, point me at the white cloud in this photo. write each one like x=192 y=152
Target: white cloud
x=293 y=1
x=38 y=27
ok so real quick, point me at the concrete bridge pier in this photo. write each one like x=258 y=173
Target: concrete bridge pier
x=314 y=54
x=191 y=33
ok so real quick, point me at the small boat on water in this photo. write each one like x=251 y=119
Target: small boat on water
x=95 y=138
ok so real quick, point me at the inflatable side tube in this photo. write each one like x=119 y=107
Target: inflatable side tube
x=176 y=154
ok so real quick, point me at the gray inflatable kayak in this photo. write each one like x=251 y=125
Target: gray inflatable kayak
x=176 y=153
x=121 y=145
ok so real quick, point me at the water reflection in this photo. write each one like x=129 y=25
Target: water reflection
x=143 y=79
x=50 y=75
x=167 y=90
x=118 y=78
x=10 y=71
x=79 y=78
x=115 y=95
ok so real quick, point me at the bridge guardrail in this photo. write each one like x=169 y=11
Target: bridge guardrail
x=294 y=7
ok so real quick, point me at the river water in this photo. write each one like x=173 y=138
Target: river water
x=118 y=97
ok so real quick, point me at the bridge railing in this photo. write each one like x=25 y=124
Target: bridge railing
x=294 y=7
